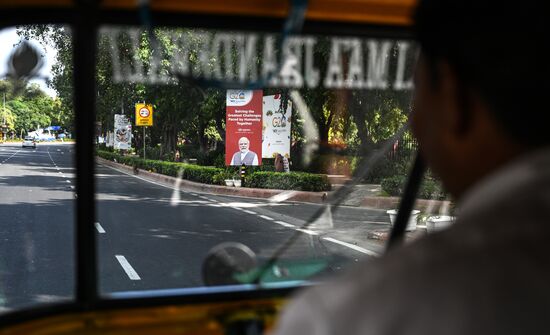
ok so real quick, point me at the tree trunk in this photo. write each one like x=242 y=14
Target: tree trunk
x=201 y=136
x=169 y=139
x=221 y=130
x=360 y=115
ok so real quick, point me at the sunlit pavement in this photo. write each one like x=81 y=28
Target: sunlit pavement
x=150 y=235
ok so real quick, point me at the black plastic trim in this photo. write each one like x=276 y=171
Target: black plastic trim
x=84 y=59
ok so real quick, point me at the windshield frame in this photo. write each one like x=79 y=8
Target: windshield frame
x=85 y=21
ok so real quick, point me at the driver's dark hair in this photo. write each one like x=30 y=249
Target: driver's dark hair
x=500 y=50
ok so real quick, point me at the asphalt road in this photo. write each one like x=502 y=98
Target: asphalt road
x=37 y=224
x=150 y=235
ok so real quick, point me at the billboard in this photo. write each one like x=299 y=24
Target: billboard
x=243 y=127
x=276 y=127
x=123 y=132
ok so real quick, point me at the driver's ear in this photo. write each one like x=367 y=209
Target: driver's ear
x=457 y=101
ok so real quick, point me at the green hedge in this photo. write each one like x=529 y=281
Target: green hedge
x=299 y=181
x=200 y=174
x=429 y=189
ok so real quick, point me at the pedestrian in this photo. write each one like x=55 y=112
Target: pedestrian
x=286 y=164
x=481 y=82
x=279 y=165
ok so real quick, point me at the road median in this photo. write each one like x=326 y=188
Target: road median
x=276 y=195
x=374 y=202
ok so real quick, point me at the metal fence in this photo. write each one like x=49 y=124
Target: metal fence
x=403 y=148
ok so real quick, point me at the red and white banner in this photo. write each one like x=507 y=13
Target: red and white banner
x=243 y=127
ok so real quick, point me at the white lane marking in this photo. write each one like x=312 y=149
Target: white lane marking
x=265 y=217
x=249 y=212
x=137 y=177
x=99 y=228
x=132 y=274
x=15 y=153
x=285 y=224
x=68 y=181
x=351 y=246
x=307 y=231
x=193 y=194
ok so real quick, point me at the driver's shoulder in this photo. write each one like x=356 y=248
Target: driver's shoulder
x=408 y=274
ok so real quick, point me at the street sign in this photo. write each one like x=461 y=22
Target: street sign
x=144 y=115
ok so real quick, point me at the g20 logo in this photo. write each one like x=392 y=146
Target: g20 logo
x=237 y=95
x=278 y=122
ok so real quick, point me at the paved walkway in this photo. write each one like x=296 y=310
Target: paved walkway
x=360 y=192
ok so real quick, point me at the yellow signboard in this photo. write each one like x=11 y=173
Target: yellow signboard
x=144 y=115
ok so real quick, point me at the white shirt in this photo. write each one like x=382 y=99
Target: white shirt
x=487 y=274
x=243 y=153
x=286 y=165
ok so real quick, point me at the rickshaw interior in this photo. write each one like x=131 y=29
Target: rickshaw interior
x=186 y=253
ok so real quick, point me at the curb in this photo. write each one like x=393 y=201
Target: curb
x=426 y=206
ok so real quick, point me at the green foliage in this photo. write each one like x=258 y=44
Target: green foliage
x=300 y=181
x=7 y=117
x=429 y=189
x=394 y=185
x=211 y=175
x=200 y=174
x=360 y=120
x=228 y=173
x=387 y=167
x=28 y=108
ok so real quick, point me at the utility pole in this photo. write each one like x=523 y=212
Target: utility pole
x=144 y=137
x=4 y=118
x=4 y=110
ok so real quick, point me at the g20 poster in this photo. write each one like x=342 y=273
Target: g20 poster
x=276 y=127
x=243 y=127
x=123 y=132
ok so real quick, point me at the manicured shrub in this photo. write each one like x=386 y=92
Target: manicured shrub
x=299 y=181
x=429 y=189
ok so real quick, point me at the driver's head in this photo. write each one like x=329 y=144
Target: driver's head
x=244 y=143
x=482 y=83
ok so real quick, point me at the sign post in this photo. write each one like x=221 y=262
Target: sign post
x=144 y=142
x=144 y=118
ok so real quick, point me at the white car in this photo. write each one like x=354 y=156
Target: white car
x=29 y=142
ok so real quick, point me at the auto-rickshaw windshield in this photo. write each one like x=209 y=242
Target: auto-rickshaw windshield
x=222 y=158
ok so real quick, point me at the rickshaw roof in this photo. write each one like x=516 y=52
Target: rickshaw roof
x=378 y=12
